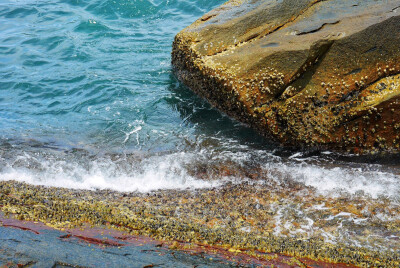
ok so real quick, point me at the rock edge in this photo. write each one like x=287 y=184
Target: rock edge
x=309 y=73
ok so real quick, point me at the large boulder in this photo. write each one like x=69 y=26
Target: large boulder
x=312 y=73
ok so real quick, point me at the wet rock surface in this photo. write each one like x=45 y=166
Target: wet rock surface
x=255 y=222
x=28 y=244
x=310 y=73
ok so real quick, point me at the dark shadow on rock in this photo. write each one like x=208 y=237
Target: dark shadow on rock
x=209 y=121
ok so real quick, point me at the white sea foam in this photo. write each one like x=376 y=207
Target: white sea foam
x=340 y=180
x=152 y=173
x=173 y=171
x=137 y=127
x=327 y=177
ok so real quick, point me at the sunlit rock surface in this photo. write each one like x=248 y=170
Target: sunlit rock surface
x=307 y=73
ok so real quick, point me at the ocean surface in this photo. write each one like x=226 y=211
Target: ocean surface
x=88 y=99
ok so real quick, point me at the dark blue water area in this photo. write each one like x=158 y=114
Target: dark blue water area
x=88 y=100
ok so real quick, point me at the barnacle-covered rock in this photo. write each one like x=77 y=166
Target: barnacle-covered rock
x=265 y=220
x=312 y=73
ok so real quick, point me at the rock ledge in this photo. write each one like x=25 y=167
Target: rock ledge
x=308 y=73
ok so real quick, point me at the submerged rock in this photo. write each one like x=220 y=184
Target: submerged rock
x=307 y=73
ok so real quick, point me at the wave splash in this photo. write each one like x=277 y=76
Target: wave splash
x=126 y=173
x=192 y=169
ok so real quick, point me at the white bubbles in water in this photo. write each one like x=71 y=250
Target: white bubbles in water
x=123 y=174
x=173 y=170
x=341 y=179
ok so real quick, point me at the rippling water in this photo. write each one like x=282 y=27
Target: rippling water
x=88 y=100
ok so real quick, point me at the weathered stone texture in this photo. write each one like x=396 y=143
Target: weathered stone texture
x=308 y=73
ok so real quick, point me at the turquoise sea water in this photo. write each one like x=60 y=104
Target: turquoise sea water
x=90 y=73
x=88 y=100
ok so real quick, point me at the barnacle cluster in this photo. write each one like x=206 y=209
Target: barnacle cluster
x=330 y=96
x=250 y=217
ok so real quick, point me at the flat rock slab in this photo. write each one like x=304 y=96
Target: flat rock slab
x=28 y=244
x=307 y=73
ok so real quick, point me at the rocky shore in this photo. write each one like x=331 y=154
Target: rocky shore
x=272 y=223
x=309 y=73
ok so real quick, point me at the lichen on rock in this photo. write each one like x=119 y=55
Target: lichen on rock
x=321 y=74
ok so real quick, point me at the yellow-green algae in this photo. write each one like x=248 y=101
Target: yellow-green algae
x=237 y=217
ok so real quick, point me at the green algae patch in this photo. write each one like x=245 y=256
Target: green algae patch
x=247 y=218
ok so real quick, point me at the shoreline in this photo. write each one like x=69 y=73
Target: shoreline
x=226 y=218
